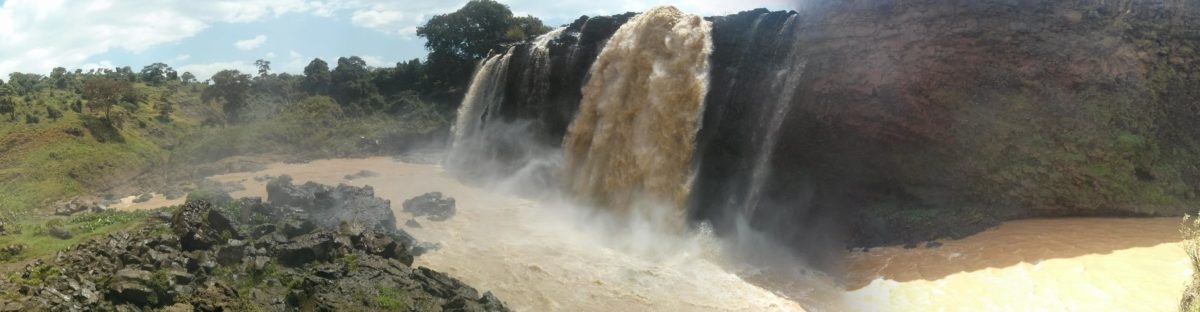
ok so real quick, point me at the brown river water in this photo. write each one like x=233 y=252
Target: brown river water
x=548 y=256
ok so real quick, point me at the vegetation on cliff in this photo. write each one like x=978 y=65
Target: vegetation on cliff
x=106 y=132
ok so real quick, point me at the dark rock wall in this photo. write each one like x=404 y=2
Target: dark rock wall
x=923 y=119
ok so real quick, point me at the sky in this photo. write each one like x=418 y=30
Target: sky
x=205 y=36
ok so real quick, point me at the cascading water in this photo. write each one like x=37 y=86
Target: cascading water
x=633 y=136
x=485 y=93
x=766 y=131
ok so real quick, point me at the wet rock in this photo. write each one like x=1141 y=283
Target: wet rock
x=145 y=197
x=434 y=205
x=361 y=174
x=330 y=207
x=295 y=228
x=412 y=223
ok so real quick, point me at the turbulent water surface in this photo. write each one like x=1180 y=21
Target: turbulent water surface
x=540 y=255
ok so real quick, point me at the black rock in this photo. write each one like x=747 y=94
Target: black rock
x=199 y=226
x=59 y=233
x=306 y=249
x=231 y=253
x=330 y=207
x=297 y=227
x=145 y=197
x=434 y=205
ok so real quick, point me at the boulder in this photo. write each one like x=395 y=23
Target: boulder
x=59 y=233
x=434 y=205
x=361 y=174
x=75 y=206
x=232 y=252
x=145 y=197
x=329 y=207
x=199 y=226
x=302 y=250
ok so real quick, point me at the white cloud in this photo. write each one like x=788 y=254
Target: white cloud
x=270 y=55
x=37 y=35
x=206 y=71
x=183 y=57
x=251 y=44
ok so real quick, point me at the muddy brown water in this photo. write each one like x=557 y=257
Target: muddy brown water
x=540 y=256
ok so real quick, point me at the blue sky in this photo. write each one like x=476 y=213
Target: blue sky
x=206 y=36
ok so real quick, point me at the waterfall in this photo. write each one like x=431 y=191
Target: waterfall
x=633 y=136
x=483 y=98
x=766 y=130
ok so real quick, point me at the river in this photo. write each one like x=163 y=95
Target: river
x=546 y=255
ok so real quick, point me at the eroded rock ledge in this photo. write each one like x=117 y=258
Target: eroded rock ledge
x=311 y=247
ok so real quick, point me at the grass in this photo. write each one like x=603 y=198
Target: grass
x=32 y=231
x=1190 y=229
x=79 y=154
x=390 y=299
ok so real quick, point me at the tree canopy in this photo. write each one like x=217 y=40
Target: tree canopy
x=232 y=88
x=458 y=40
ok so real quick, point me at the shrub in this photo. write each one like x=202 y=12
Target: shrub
x=1190 y=228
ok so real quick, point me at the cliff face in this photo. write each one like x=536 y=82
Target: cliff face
x=884 y=122
x=934 y=118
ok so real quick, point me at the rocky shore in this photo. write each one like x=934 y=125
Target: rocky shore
x=309 y=247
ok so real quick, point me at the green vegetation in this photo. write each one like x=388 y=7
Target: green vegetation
x=33 y=232
x=390 y=299
x=1190 y=228
x=88 y=133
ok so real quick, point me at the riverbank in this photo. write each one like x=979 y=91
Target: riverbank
x=544 y=256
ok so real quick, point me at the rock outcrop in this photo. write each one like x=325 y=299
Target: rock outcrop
x=319 y=248
x=434 y=205
x=883 y=122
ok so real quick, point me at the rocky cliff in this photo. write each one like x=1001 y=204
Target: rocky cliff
x=880 y=122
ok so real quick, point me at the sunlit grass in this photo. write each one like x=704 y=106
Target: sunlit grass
x=1190 y=228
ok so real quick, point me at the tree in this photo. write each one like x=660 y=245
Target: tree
x=406 y=76
x=188 y=77
x=104 y=93
x=7 y=105
x=264 y=67
x=352 y=82
x=24 y=84
x=59 y=76
x=456 y=41
x=156 y=73
x=316 y=77
x=526 y=27
x=123 y=73
x=232 y=88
